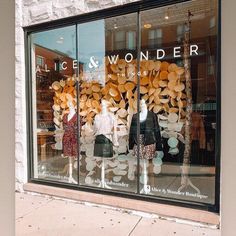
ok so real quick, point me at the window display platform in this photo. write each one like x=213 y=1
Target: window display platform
x=131 y=204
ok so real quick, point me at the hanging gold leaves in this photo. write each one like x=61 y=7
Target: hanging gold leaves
x=162 y=86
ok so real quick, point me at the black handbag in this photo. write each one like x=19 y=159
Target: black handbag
x=103 y=146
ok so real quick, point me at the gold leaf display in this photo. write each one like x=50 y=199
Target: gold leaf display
x=162 y=86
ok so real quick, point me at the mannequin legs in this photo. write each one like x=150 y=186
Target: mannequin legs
x=103 y=182
x=146 y=187
x=71 y=179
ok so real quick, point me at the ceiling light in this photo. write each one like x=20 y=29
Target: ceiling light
x=115 y=26
x=167 y=14
x=147 y=26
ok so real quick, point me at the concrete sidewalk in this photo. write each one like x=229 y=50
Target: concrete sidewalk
x=48 y=216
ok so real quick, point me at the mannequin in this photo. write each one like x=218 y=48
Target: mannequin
x=142 y=117
x=70 y=138
x=149 y=138
x=106 y=136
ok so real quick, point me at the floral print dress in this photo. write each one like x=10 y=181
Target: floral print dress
x=69 y=140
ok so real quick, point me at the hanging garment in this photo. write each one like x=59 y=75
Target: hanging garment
x=198 y=139
x=150 y=136
x=198 y=130
x=69 y=140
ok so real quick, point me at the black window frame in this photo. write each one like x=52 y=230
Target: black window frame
x=134 y=7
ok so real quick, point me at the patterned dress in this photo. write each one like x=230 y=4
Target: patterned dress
x=145 y=151
x=69 y=140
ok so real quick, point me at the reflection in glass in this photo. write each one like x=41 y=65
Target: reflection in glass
x=108 y=98
x=54 y=104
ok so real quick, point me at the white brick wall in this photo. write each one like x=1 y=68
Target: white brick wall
x=20 y=111
x=29 y=12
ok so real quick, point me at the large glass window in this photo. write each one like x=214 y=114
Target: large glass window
x=53 y=93
x=107 y=101
x=111 y=113
x=178 y=88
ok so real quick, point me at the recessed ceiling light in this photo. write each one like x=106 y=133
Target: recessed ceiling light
x=147 y=26
x=115 y=26
x=167 y=14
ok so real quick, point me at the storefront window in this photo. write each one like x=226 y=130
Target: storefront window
x=130 y=109
x=108 y=99
x=178 y=90
x=53 y=92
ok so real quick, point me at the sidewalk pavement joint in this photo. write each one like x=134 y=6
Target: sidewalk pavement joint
x=128 y=211
x=135 y=226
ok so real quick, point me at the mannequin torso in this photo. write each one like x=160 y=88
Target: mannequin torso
x=149 y=136
x=105 y=133
x=71 y=112
x=105 y=124
x=143 y=111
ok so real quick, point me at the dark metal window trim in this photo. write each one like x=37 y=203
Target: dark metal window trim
x=135 y=7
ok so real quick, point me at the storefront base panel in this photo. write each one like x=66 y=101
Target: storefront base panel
x=130 y=204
